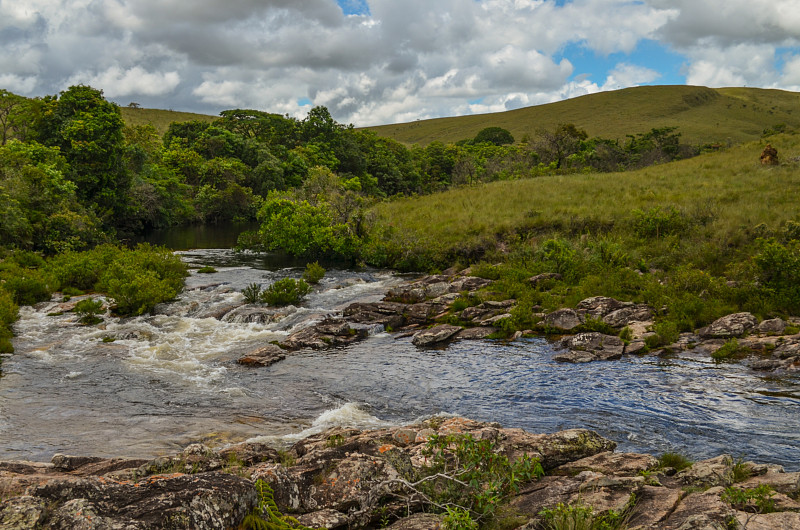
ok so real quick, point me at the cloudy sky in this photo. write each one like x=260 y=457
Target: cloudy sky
x=385 y=61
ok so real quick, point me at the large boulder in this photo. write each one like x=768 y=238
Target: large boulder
x=734 y=325
x=264 y=356
x=563 y=319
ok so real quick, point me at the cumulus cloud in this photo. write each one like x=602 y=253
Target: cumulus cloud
x=383 y=61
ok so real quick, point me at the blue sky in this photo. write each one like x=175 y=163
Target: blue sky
x=385 y=61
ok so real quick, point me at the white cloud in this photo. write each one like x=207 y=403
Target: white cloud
x=405 y=60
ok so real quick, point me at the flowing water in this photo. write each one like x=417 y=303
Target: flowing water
x=171 y=379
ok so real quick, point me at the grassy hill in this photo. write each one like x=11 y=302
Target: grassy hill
x=160 y=119
x=729 y=191
x=703 y=115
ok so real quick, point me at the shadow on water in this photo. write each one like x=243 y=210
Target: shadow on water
x=221 y=235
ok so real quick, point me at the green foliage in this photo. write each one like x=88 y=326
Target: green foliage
x=755 y=500
x=579 y=516
x=494 y=135
x=87 y=311
x=284 y=292
x=659 y=222
x=480 y=478
x=314 y=272
x=666 y=333
x=458 y=519
x=82 y=270
x=252 y=293
x=206 y=270
x=142 y=278
x=741 y=471
x=729 y=350
x=779 y=269
x=676 y=461
x=9 y=312
x=267 y=516
x=26 y=286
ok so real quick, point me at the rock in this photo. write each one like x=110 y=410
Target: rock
x=247 y=314
x=404 y=437
x=769 y=156
x=600 y=306
x=787 y=483
x=469 y=284
x=23 y=513
x=323 y=519
x=418 y=521
x=70 y=463
x=734 y=325
x=772 y=326
x=265 y=356
x=475 y=333
x=653 y=506
x=636 y=346
x=388 y=314
x=435 y=335
x=540 y=278
x=326 y=334
x=248 y=453
x=769 y=521
x=716 y=471
x=563 y=319
x=608 y=463
x=201 y=501
x=624 y=316
x=555 y=449
x=591 y=346
x=702 y=510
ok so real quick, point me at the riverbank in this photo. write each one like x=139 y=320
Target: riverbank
x=345 y=478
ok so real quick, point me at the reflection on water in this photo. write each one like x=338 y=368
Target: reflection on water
x=221 y=235
x=171 y=379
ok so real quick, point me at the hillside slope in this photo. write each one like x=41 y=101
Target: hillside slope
x=703 y=115
x=160 y=119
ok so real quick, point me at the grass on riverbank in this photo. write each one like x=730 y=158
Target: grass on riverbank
x=674 y=236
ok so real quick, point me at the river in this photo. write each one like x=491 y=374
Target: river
x=171 y=379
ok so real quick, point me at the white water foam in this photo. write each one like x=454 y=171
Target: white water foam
x=349 y=415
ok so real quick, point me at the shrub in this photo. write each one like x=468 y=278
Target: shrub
x=676 y=461
x=313 y=273
x=756 y=500
x=285 y=292
x=252 y=293
x=659 y=222
x=727 y=351
x=579 y=516
x=82 y=270
x=206 y=270
x=458 y=519
x=88 y=310
x=665 y=333
x=141 y=278
x=9 y=312
x=26 y=286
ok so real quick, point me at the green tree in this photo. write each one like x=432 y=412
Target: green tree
x=88 y=131
x=15 y=116
x=494 y=135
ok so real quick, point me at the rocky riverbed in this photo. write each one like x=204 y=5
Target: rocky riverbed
x=348 y=478
x=422 y=309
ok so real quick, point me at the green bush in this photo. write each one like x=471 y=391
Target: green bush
x=727 y=351
x=313 y=273
x=660 y=222
x=252 y=293
x=285 y=292
x=676 y=461
x=665 y=333
x=87 y=311
x=141 y=278
x=579 y=516
x=9 y=312
x=82 y=270
x=755 y=500
x=206 y=270
x=26 y=286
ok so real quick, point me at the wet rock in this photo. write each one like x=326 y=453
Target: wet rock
x=435 y=335
x=476 y=333
x=772 y=326
x=218 y=312
x=247 y=314
x=248 y=453
x=326 y=334
x=734 y=325
x=590 y=346
x=388 y=314
x=265 y=356
x=563 y=319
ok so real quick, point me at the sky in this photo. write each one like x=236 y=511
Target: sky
x=386 y=61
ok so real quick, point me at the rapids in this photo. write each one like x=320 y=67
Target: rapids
x=171 y=379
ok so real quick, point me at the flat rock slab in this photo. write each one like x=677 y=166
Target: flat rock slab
x=435 y=335
x=266 y=356
x=609 y=463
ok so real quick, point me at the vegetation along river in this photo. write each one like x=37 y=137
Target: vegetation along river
x=171 y=378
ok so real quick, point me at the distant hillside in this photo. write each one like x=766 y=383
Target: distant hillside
x=703 y=115
x=160 y=119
